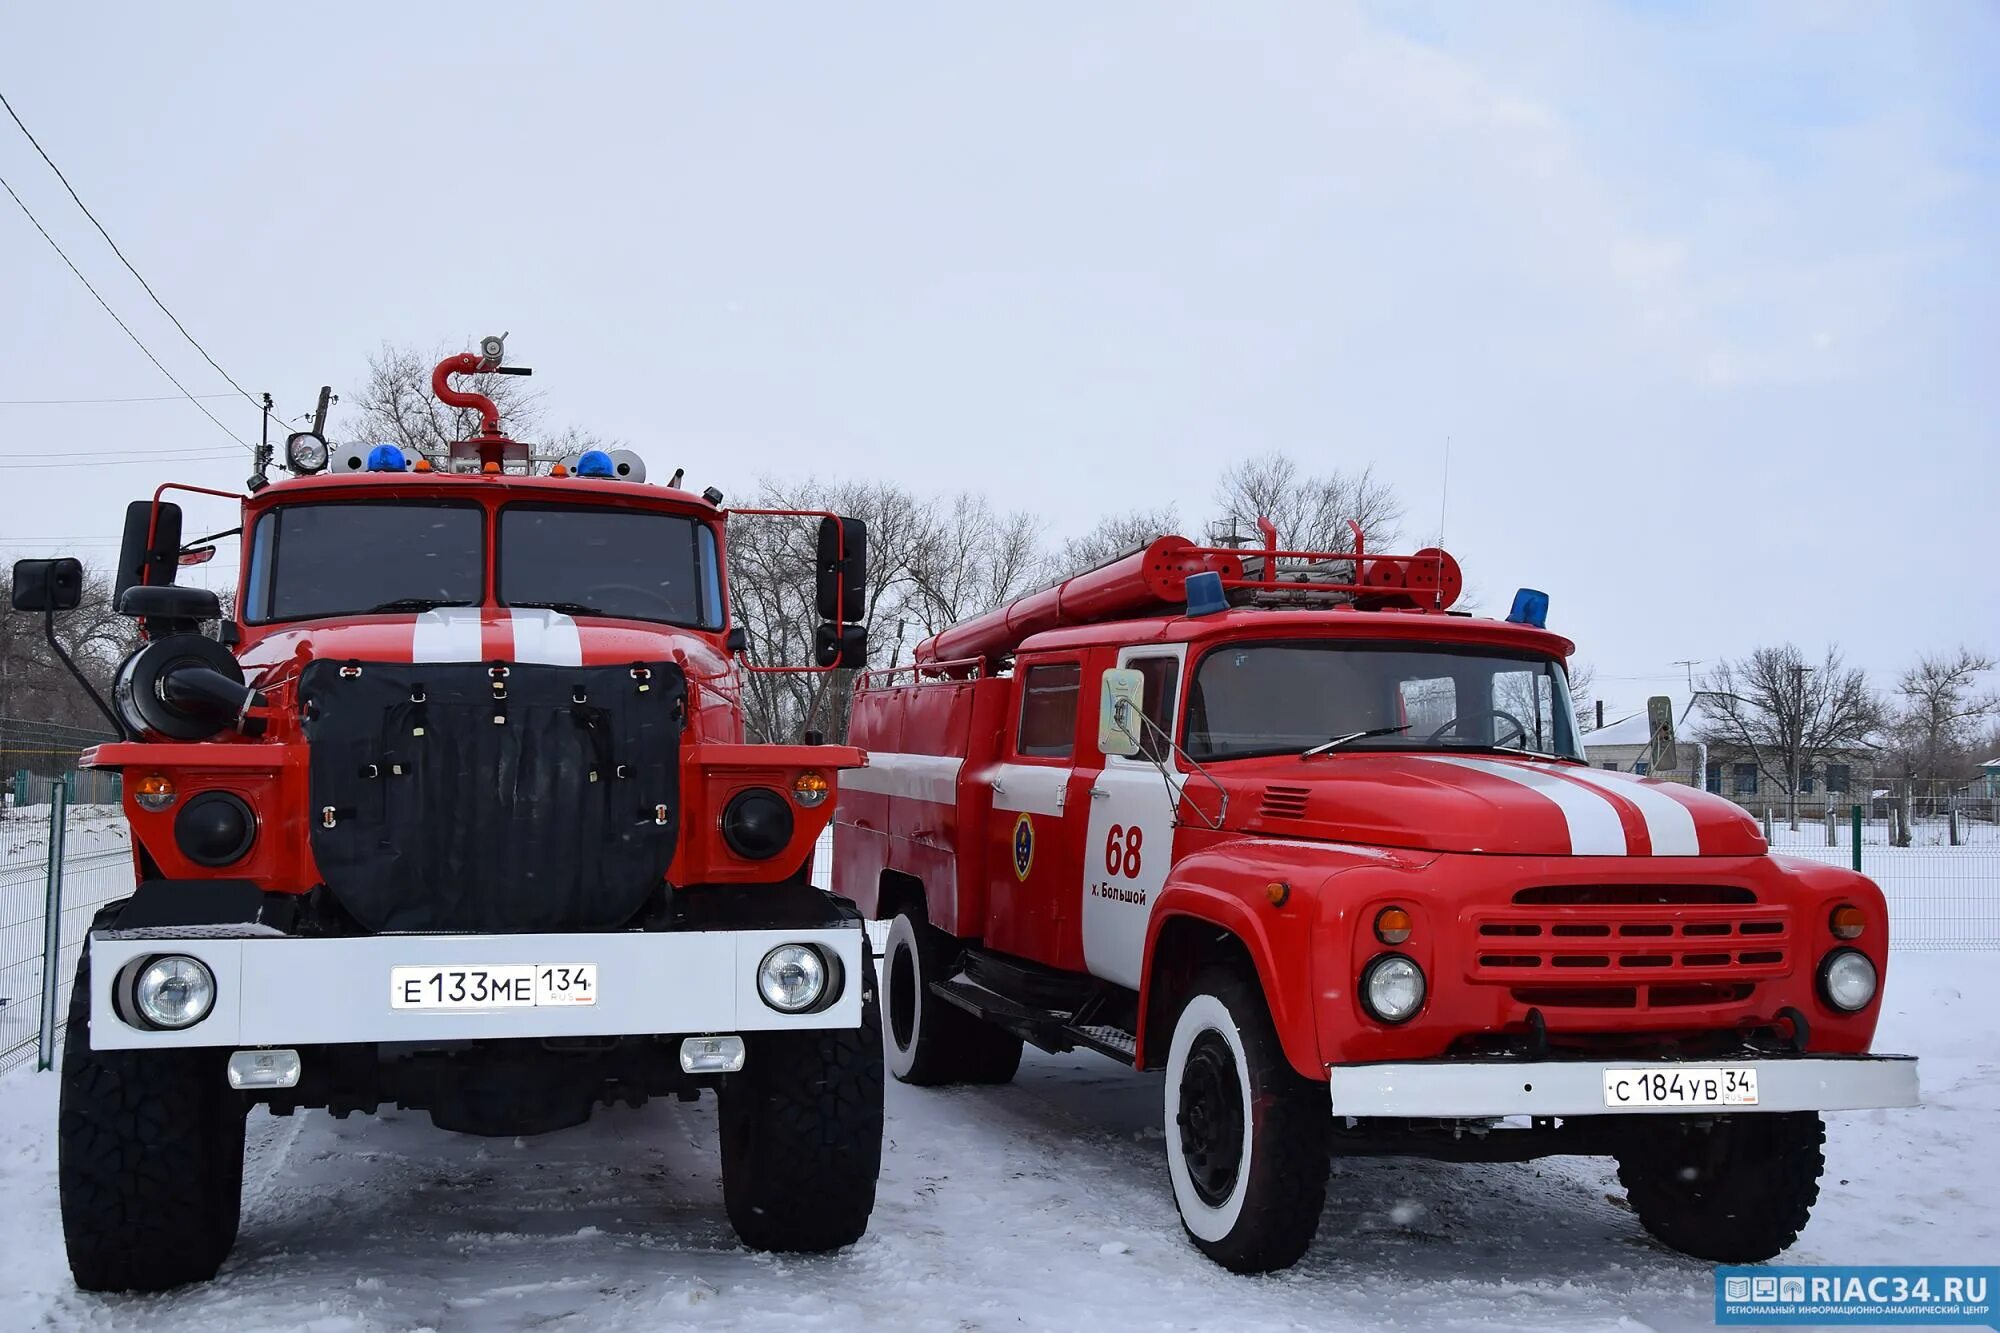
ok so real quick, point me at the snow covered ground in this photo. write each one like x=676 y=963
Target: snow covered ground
x=1042 y=1205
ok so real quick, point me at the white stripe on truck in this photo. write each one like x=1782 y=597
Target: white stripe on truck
x=1594 y=826
x=1669 y=824
x=919 y=777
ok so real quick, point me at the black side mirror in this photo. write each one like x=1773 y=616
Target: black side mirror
x=841 y=646
x=151 y=550
x=48 y=585
x=842 y=589
x=736 y=640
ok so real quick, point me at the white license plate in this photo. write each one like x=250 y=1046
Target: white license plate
x=1681 y=1085
x=492 y=986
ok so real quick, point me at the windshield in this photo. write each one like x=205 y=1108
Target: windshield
x=610 y=562
x=1286 y=698
x=344 y=558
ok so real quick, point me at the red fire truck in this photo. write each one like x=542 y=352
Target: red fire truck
x=1328 y=853
x=452 y=811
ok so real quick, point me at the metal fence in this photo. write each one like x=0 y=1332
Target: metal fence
x=35 y=756
x=89 y=847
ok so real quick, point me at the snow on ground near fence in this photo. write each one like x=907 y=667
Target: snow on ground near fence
x=1044 y=1204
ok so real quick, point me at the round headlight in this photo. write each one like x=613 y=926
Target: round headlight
x=1392 y=988
x=215 y=828
x=174 y=992
x=792 y=978
x=757 y=824
x=305 y=452
x=1847 y=980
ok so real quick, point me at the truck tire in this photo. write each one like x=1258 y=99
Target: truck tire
x=1247 y=1138
x=931 y=1042
x=1734 y=1190
x=149 y=1159
x=801 y=1130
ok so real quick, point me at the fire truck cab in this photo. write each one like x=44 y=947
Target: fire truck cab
x=1330 y=855
x=451 y=810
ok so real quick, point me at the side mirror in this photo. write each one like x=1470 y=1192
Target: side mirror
x=148 y=561
x=48 y=585
x=736 y=640
x=841 y=593
x=841 y=646
x=1660 y=721
x=1120 y=705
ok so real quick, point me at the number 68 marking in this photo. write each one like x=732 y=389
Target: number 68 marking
x=1121 y=851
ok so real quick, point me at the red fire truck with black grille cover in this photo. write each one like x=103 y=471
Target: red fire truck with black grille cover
x=1287 y=827
x=452 y=811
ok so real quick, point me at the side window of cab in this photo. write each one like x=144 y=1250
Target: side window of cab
x=1162 y=676
x=1049 y=693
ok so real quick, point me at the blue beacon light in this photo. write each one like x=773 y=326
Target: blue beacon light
x=387 y=458
x=595 y=463
x=1531 y=607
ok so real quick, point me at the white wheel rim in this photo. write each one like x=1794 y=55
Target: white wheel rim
x=903 y=938
x=1211 y=1222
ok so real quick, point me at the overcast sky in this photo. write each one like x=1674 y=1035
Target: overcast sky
x=1704 y=296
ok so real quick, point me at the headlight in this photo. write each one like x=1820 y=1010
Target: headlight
x=215 y=828
x=305 y=452
x=757 y=824
x=174 y=992
x=792 y=978
x=1392 y=988
x=1847 y=980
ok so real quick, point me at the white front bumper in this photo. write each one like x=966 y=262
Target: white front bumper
x=1478 y=1089
x=273 y=990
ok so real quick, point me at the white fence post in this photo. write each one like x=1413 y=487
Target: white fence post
x=45 y=1051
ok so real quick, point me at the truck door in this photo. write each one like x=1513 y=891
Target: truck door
x=1130 y=843
x=1033 y=856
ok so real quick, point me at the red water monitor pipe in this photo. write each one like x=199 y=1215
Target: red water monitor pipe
x=466 y=363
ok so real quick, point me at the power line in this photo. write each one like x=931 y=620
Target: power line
x=114 y=315
x=69 y=402
x=121 y=256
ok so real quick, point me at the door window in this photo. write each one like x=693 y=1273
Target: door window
x=1162 y=675
x=1048 y=710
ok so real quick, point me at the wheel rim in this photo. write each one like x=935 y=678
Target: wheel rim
x=902 y=997
x=1211 y=1118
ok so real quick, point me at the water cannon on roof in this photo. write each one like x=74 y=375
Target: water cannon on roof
x=490 y=449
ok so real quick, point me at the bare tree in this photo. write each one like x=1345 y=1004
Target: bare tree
x=1311 y=511
x=1787 y=714
x=1113 y=536
x=972 y=561
x=1939 y=714
x=395 y=405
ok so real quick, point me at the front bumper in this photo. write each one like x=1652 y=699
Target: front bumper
x=277 y=990
x=1479 y=1089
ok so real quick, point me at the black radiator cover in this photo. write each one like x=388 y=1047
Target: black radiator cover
x=445 y=820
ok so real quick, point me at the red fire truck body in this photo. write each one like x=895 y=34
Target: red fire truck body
x=1335 y=775
x=452 y=811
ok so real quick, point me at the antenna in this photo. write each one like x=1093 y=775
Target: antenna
x=1690 y=663
x=1444 y=494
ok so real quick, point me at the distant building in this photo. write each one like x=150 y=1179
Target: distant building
x=1987 y=784
x=1727 y=770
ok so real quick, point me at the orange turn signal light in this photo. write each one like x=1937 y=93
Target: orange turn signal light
x=490 y=469
x=423 y=465
x=810 y=788
x=1278 y=893
x=1847 y=922
x=1392 y=925
x=155 y=791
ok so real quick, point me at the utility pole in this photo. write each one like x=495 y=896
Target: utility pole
x=1798 y=738
x=319 y=414
x=1690 y=663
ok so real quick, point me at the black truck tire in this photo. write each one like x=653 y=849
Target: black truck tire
x=931 y=1042
x=801 y=1130
x=1736 y=1189
x=1247 y=1138
x=149 y=1149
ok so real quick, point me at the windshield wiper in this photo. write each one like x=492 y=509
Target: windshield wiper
x=1328 y=747
x=416 y=604
x=1510 y=749
x=564 y=608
